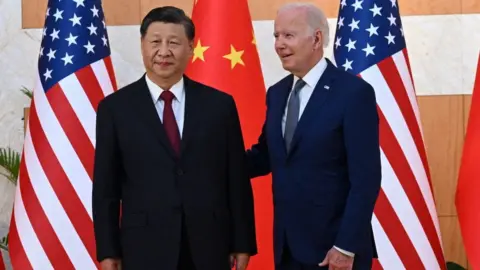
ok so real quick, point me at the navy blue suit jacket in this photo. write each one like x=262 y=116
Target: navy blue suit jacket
x=325 y=188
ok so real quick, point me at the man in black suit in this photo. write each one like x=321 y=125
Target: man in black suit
x=171 y=152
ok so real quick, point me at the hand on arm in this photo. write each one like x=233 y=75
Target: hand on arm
x=258 y=159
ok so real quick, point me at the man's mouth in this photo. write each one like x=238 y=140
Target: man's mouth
x=163 y=64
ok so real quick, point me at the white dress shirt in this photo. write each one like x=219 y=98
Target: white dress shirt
x=178 y=103
x=311 y=79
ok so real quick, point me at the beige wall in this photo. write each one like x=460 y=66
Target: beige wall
x=444 y=117
x=123 y=12
x=444 y=120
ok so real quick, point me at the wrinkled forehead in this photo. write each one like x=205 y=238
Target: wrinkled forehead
x=291 y=20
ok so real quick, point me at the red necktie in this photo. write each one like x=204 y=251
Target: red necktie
x=169 y=122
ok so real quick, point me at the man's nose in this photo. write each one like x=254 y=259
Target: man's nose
x=163 y=50
x=279 y=44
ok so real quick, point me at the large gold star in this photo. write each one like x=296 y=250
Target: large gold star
x=198 y=52
x=235 y=57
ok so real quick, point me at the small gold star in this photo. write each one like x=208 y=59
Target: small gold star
x=198 y=52
x=235 y=57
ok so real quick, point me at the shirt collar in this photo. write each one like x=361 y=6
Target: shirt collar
x=313 y=76
x=155 y=90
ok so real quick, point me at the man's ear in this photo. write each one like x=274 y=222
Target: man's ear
x=191 y=46
x=318 y=39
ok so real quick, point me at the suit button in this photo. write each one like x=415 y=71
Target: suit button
x=180 y=172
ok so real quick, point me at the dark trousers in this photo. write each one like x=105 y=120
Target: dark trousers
x=288 y=262
x=185 y=260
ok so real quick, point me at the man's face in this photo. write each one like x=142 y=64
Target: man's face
x=294 y=41
x=166 y=49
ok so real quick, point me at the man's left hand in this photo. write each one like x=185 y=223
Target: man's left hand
x=239 y=260
x=337 y=260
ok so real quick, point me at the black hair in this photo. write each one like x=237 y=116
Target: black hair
x=168 y=14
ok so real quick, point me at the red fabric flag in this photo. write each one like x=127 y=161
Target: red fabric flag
x=468 y=188
x=226 y=58
x=2 y=263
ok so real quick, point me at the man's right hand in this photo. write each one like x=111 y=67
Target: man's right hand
x=111 y=264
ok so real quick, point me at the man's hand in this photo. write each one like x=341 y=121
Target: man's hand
x=111 y=264
x=239 y=260
x=337 y=260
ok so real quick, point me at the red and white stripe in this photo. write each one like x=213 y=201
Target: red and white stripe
x=405 y=223
x=52 y=219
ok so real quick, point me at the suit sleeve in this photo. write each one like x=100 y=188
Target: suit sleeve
x=258 y=159
x=243 y=238
x=361 y=136
x=106 y=186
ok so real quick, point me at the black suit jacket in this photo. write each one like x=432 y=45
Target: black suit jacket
x=135 y=166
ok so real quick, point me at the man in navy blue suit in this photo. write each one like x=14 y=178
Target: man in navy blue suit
x=320 y=141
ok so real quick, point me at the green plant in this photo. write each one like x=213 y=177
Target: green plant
x=454 y=266
x=10 y=161
x=4 y=243
x=27 y=91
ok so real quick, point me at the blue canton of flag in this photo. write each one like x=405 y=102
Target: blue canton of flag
x=74 y=36
x=367 y=32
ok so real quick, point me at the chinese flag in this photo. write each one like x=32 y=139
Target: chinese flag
x=226 y=58
x=468 y=187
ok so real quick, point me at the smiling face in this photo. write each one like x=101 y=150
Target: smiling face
x=166 y=50
x=298 y=47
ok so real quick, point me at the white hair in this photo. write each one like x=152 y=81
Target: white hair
x=316 y=19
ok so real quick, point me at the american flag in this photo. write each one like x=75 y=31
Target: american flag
x=51 y=226
x=370 y=43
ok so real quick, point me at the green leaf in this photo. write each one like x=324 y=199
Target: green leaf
x=4 y=243
x=27 y=92
x=10 y=161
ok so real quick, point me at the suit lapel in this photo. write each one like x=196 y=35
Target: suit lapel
x=193 y=111
x=314 y=104
x=145 y=107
